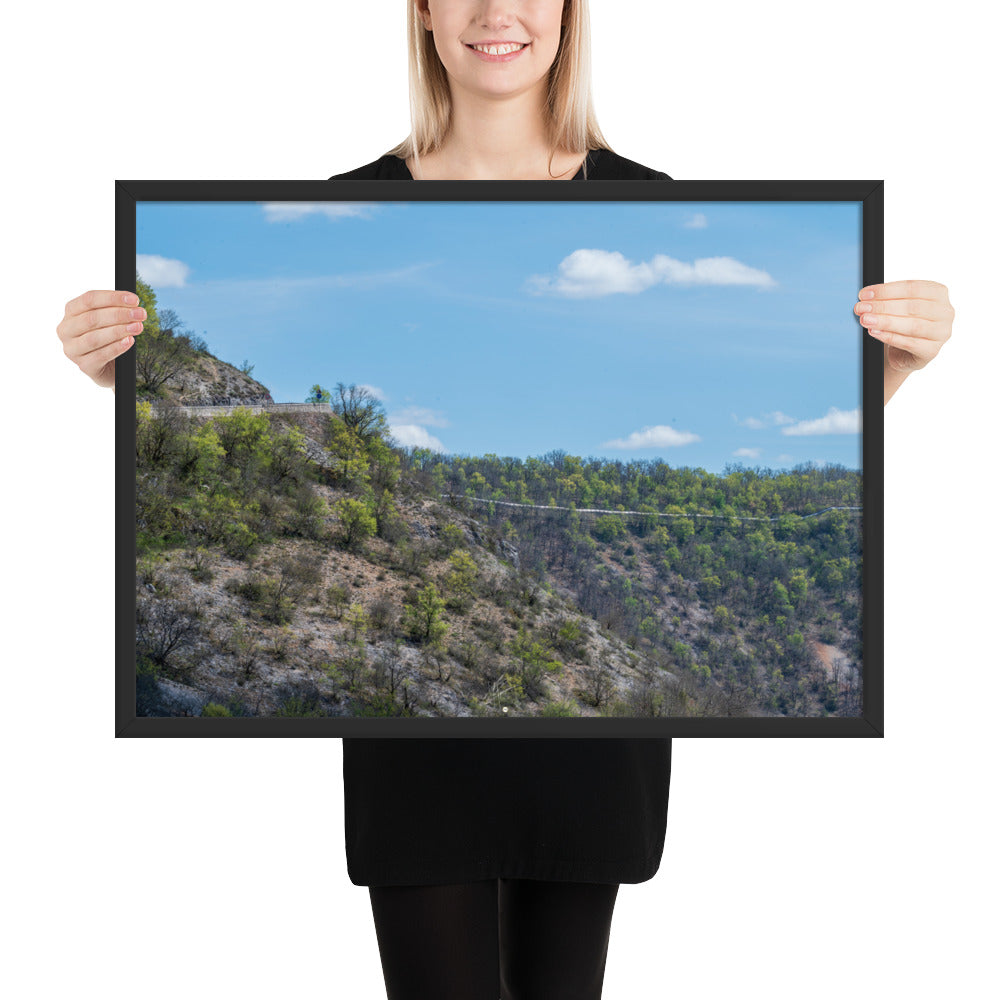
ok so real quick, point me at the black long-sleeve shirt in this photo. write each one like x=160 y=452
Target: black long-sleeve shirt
x=437 y=811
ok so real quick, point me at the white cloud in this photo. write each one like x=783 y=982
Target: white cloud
x=835 y=422
x=659 y=436
x=593 y=273
x=773 y=419
x=697 y=221
x=412 y=435
x=418 y=415
x=747 y=452
x=161 y=272
x=292 y=211
x=373 y=389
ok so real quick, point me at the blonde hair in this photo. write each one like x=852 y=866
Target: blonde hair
x=571 y=122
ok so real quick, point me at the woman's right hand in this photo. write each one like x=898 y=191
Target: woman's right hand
x=97 y=327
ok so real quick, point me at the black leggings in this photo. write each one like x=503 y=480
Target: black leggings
x=512 y=939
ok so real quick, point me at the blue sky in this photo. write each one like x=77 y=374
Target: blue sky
x=698 y=333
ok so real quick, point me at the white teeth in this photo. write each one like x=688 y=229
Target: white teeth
x=497 y=50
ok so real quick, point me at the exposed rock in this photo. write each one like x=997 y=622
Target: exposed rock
x=172 y=698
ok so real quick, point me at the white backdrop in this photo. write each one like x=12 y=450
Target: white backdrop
x=820 y=868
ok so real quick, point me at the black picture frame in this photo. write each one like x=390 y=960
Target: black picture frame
x=868 y=194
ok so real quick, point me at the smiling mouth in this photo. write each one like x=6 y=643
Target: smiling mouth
x=499 y=50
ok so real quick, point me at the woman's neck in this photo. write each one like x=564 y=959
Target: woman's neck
x=497 y=139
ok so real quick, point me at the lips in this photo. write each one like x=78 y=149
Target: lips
x=503 y=52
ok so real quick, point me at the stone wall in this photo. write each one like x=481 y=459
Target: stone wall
x=220 y=410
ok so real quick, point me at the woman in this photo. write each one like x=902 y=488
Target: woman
x=493 y=865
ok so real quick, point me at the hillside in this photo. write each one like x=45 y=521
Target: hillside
x=302 y=564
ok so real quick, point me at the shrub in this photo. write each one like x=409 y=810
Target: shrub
x=299 y=706
x=450 y=537
x=200 y=564
x=382 y=614
x=300 y=701
x=570 y=639
x=380 y=704
x=266 y=596
x=300 y=571
x=308 y=513
x=337 y=596
x=559 y=709
x=162 y=628
x=238 y=541
x=412 y=558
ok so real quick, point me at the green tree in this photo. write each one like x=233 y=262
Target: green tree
x=388 y=524
x=780 y=602
x=450 y=537
x=682 y=528
x=356 y=521
x=461 y=579
x=350 y=463
x=201 y=455
x=533 y=659
x=317 y=394
x=361 y=411
x=147 y=299
x=356 y=659
x=723 y=618
x=357 y=621
x=383 y=466
x=422 y=616
x=337 y=595
x=246 y=438
x=798 y=587
x=286 y=458
x=157 y=436
x=159 y=356
x=608 y=528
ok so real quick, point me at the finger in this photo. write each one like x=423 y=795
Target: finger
x=99 y=339
x=929 y=309
x=920 y=348
x=909 y=326
x=98 y=300
x=932 y=290
x=90 y=364
x=93 y=329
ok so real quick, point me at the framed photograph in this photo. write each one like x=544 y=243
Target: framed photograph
x=492 y=458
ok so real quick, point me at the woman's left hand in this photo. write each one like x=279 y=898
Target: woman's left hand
x=912 y=318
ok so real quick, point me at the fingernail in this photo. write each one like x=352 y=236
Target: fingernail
x=867 y=293
x=862 y=309
x=130 y=300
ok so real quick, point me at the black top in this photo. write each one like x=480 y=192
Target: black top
x=436 y=811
